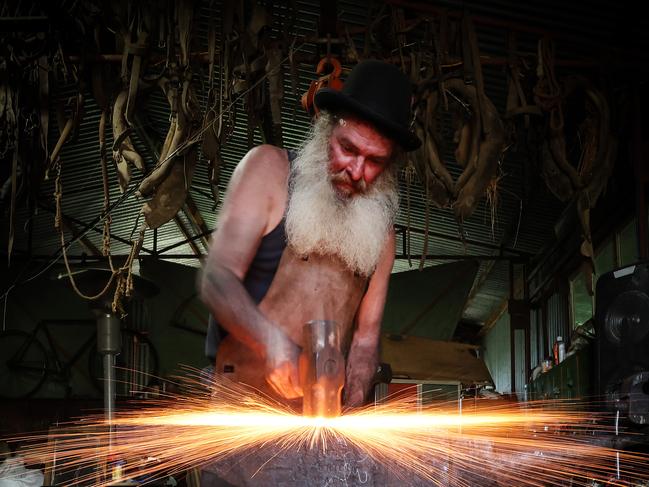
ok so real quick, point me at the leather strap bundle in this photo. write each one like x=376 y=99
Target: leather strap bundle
x=583 y=179
x=168 y=183
x=479 y=134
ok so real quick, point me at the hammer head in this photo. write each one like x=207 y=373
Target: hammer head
x=322 y=371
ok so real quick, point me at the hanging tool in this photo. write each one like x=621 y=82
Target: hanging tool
x=331 y=80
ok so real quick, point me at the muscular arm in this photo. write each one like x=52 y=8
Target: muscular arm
x=363 y=355
x=253 y=205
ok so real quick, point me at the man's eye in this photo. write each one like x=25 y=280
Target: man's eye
x=346 y=148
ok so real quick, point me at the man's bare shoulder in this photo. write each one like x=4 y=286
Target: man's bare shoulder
x=259 y=187
x=264 y=163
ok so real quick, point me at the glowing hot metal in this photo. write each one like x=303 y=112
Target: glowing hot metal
x=530 y=446
x=322 y=370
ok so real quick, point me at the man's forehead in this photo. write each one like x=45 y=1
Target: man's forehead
x=358 y=130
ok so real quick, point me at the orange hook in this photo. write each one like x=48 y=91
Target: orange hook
x=331 y=80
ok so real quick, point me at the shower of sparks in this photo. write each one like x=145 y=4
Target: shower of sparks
x=531 y=445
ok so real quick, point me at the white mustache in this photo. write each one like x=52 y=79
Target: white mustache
x=343 y=176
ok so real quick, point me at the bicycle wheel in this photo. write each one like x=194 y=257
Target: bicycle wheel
x=23 y=364
x=136 y=366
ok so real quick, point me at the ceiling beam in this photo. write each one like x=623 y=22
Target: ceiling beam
x=175 y=245
x=188 y=237
x=193 y=213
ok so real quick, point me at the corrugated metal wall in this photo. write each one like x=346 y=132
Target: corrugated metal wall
x=524 y=215
x=520 y=377
x=535 y=333
x=497 y=354
x=555 y=313
x=557 y=318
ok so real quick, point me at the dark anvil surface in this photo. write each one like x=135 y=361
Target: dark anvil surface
x=342 y=465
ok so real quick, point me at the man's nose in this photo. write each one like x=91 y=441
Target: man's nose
x=356 y=167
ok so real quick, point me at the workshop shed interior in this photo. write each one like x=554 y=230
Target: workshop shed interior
x=522 y=241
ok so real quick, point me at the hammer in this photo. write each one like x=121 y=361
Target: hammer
x=322 y=371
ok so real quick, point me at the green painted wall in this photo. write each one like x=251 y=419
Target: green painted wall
x=177 y=346
x=48 y=299
x=428 y=303
x=497 y=354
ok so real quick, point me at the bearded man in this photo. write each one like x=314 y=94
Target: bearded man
x=310 y=236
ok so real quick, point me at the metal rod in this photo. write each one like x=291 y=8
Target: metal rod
x=184 y=242
x=404 y=240
x=188 y=236
x=475 y=243
x=89 y=226
x=200 y=57
x=488 y=21
x=203 y=58
x=160 y=255
x=108 y=345
x=510 y=258
x=109 y=387
x=101 y=258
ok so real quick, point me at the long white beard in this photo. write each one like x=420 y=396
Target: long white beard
x=319 y=221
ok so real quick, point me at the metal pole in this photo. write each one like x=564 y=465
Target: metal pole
x=108 y=345
x=109 y=387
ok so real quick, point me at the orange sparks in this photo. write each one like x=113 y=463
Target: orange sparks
x=527 y=446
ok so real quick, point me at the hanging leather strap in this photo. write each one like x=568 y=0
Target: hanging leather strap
x=516 y=100
x=44 y=102
x=439 y=42
x=275 y=83
x=138 y=50
x=185 y=15
x=66 y=126
x=211 y=53
x=473 y=67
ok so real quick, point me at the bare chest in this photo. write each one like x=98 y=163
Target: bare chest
x=313 y=287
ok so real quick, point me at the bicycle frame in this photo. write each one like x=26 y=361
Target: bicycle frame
x=42 y=354
x=18 y=362
x=62 y=367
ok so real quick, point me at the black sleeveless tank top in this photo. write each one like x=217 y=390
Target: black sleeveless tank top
x=257 y=280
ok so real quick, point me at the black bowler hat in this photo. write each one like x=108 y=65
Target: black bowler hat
x=379 y=93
